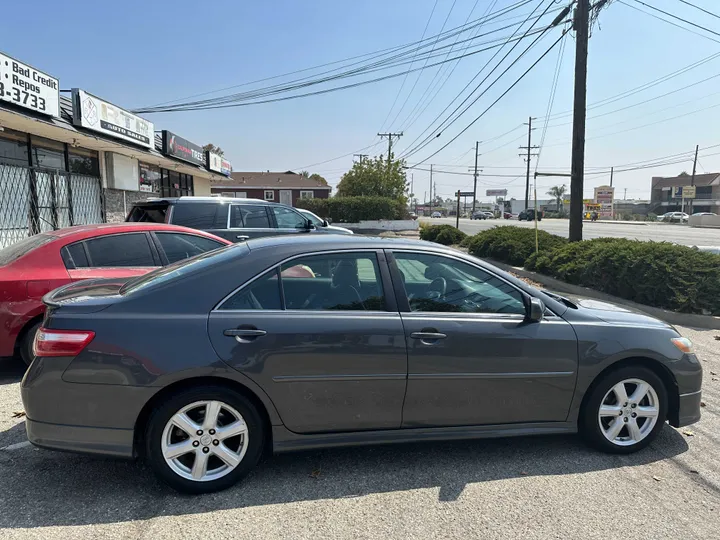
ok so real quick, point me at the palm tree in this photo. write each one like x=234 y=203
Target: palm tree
x=557 y=192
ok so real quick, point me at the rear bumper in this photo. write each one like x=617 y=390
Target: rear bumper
x=87 y=440
x=689 y=408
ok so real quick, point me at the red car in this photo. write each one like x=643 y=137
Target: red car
x=36 y=265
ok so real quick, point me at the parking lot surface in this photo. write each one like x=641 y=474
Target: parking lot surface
x=657 y=232
x=546 y=487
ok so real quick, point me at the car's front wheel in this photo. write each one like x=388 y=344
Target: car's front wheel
x=204 y=439
x=625 y=410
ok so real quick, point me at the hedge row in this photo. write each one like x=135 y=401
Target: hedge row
x=355 y=209
x=658 y=274
x=446 y=235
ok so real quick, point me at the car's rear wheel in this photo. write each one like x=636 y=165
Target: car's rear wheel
x=205 y=439
x=26 y=343
x=625 y=410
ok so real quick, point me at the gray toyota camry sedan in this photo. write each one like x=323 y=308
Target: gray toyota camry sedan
x=285 y=343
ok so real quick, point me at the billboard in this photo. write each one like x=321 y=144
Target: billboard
x=496 y=193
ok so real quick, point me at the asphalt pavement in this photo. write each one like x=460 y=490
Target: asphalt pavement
x=640 y=230
x=530 y=488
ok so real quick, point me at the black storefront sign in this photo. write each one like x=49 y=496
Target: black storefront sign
x=177 y=147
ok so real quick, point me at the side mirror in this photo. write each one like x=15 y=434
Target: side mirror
x=536 y=310
x=325 y=223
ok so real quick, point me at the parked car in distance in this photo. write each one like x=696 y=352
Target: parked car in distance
x=704 y=214
x=478 y=214
x=664 y=216
x=676 y=217
x=323 y=223
x=509 y=215
x=38 y=264
x=436 y=215
x=529 y=215
x=490 y=215
x=321 y=340
x=234 y=219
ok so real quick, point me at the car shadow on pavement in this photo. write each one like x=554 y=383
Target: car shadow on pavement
x=11 y=370
x=40 y=488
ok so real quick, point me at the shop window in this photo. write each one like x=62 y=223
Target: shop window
x=269 y=195
x=82 y=161
x=47 y=154
x=149 y=180
x=13 y=148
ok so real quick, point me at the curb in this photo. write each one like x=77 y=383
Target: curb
x=672 y=317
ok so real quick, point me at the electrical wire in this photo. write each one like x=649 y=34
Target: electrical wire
x=449 y=120
x=551 y=102
x=701 y=9
x=678 y=18
x=397 y=96
x=668 y=22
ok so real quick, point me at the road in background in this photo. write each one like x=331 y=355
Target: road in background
x=530 y=488
x=658 y=232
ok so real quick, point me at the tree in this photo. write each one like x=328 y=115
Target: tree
x=210 y=147
x=319 y=179
x=557 y=192
x=305 y=174
x=373 y=177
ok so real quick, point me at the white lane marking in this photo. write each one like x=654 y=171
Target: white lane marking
x=16 y=446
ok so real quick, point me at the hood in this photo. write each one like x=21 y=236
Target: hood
x=336 y=229
x=607 y=311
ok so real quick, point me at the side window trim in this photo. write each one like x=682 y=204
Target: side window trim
x=404 y=303
x=161 y=252
x=276 y=268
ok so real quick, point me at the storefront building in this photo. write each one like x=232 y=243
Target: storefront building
x=73 y=159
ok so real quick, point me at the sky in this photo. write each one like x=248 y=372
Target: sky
x=137 y=54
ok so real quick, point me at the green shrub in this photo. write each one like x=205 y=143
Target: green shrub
x=512 y=245
x=355 y=209
x=656 y=274
x=446 y=235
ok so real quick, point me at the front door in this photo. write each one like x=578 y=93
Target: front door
x=321 y=336
x=286 y=196
x=473 y=359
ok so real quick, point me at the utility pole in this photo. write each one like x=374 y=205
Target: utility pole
x=431 y=189
x=582 y=36
x=361 y=157
x=612 y=202
x=390 y=142
x=475 y=176
x=530 y=153
x=612 y=172
x=692 y=178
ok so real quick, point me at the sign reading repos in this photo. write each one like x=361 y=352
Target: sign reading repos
x=27 y=87
x=93 y=113
x=176 y=146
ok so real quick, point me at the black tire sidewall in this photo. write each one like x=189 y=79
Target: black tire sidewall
x=26 y=345
x=589 y=426
x=162 y=414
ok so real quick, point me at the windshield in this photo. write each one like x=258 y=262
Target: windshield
x=179 y=269
x=312 y=217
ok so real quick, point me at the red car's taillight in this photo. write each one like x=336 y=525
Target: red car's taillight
x=61 y=342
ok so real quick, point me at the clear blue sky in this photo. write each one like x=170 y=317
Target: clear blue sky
x=142 y=53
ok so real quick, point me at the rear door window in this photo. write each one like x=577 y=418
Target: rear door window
x=120 y=250
x=195 y=215
x=179 y=246
x=249 y=216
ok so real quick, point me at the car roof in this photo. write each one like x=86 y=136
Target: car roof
x=89 y=231
x=196 y=199
x=339 y=241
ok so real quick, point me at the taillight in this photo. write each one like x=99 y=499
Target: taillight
x=61 y=342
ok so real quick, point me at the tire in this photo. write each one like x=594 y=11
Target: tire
x=246 y=447
x=26 y=344
x=593 y=427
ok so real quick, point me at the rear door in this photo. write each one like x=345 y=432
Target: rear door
x=247 y=221
x=173 y=247
x=322 y=335
x=117 y=255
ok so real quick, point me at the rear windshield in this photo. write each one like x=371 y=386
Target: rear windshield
x=182 y=268
x=196 y=215
x=14 y=251
x=149 y=213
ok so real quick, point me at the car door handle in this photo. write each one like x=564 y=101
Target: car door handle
x=242 y=237
x=428 y=336
x=244 y=335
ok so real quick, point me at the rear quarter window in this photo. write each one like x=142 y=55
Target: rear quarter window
x=195 y=215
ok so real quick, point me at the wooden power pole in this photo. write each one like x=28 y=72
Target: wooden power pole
x=475 y=176
x=530 y=154
x=582 y=36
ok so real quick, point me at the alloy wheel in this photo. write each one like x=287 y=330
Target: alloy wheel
x=628 y=412
x=204 y=440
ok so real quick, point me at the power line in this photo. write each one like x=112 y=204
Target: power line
x=551 y=101
x=335 y=158
x=410 y=149
x=701 y=9
x=678 y=18
x=427 y=24
x=668 y=22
